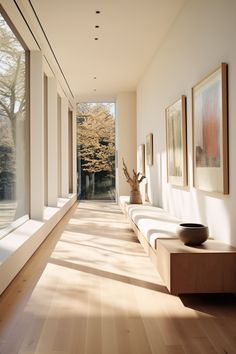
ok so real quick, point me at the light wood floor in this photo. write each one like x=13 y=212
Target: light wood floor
x=91 y=289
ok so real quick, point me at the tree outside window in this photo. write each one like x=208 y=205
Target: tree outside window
x=12 y=127
x=96 y=150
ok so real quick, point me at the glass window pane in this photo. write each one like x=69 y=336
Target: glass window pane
x=70 y=150
x=45 y=140
x=59 y=143
x=13 y=129
x=96 y=151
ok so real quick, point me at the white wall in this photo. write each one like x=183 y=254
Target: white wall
x=201 y=38
x=125 y=138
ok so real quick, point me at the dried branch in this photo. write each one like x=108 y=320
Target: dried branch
x=135 y=181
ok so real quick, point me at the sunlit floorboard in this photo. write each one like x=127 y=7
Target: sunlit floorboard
x=91 y=289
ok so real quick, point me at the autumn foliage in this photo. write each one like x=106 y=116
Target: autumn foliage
x=96 y=137
x=96 y=140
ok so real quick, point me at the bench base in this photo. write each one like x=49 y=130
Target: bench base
x=209 y=268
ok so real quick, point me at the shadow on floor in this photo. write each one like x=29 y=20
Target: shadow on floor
x=113 y=276
x=212 y=304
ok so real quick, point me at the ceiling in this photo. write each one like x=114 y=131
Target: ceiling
x=129 y=34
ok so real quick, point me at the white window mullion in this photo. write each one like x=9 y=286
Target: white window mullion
x=36 y=136
x=52 y=142
x=64 y=148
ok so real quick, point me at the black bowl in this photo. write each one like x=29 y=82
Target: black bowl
x=192 y=234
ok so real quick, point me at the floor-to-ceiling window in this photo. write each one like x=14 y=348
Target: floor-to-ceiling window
x=14 y=137
x=59 y=145
x=96 y=150
x=70 y=150
x=45 y=80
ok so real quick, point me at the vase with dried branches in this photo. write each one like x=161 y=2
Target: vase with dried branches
x=135 y=196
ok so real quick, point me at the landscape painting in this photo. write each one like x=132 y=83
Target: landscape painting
x=176 y=143
x=141 y=159
x=149 y=149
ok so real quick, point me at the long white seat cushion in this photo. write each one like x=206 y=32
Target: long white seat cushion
x=153 y=222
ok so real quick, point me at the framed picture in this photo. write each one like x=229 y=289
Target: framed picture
x=141 y=159
x=176 y=143
x=149 y=149
x=210 y=132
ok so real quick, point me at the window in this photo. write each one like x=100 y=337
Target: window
x=70 y=150
x=14 y=132
x=45 y=81
x=96 y=150
x=59 y=143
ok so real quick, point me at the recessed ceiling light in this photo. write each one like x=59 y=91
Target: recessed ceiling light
x=96 y=38
x=98 y=12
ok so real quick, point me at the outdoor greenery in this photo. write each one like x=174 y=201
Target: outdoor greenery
x=12 y=105
x=96 y=150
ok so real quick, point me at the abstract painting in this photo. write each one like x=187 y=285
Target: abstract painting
x=210 y=132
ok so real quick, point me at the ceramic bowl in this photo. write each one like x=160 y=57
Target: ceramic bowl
x=192 y=234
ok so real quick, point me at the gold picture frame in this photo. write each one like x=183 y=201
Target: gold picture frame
x=210 y=132
x=176 y=142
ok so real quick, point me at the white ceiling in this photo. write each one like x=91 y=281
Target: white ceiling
x=130 y=33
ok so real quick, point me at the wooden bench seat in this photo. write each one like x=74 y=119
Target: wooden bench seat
x=209 y=268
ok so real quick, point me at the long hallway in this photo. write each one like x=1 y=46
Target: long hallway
x=91 y=289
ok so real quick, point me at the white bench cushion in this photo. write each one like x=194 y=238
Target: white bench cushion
x=153 y=222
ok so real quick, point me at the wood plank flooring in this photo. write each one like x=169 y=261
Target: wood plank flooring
x=91 y=289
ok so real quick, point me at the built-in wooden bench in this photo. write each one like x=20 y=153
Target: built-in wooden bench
x=209 y=268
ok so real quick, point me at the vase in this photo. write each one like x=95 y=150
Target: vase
x=135 y=197
x=192 y=234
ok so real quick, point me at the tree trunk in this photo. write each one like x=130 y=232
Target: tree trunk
x=87 y=186
x=92 y=185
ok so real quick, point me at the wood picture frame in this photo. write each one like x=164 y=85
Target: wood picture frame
x=149 y=149
x=141 y=159
x=210 y=132
x=176 y=142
